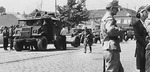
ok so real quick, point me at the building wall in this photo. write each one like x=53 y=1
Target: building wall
x=123 y=20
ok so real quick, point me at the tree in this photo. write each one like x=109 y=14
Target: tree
x=2 y=10
x=73 y=13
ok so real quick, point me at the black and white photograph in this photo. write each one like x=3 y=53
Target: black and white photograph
x=74 y=35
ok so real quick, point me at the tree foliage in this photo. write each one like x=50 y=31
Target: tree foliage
x=73 y=13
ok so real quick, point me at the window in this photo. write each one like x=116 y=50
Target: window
x=118 y=21
x=122 y=21
x=125 y=22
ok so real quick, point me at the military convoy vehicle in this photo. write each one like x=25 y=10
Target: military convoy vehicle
x=74 y=36
x=129 y=33
x=37 y=33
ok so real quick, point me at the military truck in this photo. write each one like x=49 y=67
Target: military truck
x=37 y=32
x=74 y=36
x=129 y=33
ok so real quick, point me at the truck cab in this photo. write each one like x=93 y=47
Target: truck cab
x=37 y=32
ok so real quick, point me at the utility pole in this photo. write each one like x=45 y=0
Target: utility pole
x=55 y=7
x=41 y=5
x=135 y=8
x=127 y=5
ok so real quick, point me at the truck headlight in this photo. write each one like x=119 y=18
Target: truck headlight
x=18 y=31
x=35 y=31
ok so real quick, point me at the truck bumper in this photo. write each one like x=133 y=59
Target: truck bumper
x=25 y=40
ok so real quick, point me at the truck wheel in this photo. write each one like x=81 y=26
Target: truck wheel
x=76 y=42
x=18 y=46
x=42 y=43
x=56 y=44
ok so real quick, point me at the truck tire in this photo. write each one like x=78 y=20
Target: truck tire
x=76 y=42
x=56 y=44
x=18 y=46
x=42 y=43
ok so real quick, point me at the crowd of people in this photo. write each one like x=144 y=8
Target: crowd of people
x=111 y=45
x=110 y=33
x=8 y=36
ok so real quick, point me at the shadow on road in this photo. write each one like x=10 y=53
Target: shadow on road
x=53 y=49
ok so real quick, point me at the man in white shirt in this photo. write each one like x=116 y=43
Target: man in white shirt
x=63 y=34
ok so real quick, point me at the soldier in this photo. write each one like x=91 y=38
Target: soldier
x=5 y=38
x=87 y=36
x=111 y=42
x=11 y=37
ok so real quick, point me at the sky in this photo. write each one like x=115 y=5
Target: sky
x=28 y=6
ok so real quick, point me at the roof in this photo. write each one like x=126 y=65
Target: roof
x=101 y=12
x=40 y=18
x=126 y=12
x=97 y=13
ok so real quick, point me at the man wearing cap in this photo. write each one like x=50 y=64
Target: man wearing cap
x=140 y=35
x=110 y=32
x=5 y=37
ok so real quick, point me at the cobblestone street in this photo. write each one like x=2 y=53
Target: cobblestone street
x=71 y=60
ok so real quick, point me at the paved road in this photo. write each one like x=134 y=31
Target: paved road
x=71 y=60
x=127 y=56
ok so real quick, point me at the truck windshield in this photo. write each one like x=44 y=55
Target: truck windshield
x=30 y=23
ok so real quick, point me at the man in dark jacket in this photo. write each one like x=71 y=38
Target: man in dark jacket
x=140 y=35
x=5 y=38
x=11 y=37
x=87 y=36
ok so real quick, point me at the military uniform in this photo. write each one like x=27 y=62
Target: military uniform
x=5 y=38
x=11 y=37
x=87 y=37
x=111 y=44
